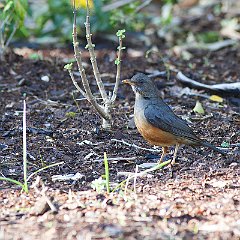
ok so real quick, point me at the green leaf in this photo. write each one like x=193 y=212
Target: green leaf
x=120 y=33
x=198 y=108
x=19 y=9
x=117 y=61
x=8 y=6
x=68 y=66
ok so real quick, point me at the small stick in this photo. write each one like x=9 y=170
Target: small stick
x=117 y=159
x=135 y=146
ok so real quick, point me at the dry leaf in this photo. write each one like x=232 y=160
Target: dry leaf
x=216 y=98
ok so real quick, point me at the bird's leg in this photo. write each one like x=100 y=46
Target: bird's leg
x=175 y=155
x=164 y=151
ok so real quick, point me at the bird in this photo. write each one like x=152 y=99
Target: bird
x=157 y=122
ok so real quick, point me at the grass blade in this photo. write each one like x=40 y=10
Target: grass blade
x=43 y=168
x=12 y=181
x=25 y=147
x=140 y=174
x=106 y=173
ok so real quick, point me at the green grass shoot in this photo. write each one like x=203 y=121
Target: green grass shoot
x=24 y=185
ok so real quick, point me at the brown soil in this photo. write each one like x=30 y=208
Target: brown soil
x=198 y=200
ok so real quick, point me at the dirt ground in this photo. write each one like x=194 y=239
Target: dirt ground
x=200 y=199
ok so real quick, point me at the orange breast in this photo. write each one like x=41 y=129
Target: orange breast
x=154 y=135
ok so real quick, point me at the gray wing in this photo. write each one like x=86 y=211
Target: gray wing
x=161 y=116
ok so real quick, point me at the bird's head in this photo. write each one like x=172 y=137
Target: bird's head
x=142 y=85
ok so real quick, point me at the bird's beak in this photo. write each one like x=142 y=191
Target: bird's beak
x=128 y=81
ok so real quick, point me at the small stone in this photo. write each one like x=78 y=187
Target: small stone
x=233 y=165
x=45 y=78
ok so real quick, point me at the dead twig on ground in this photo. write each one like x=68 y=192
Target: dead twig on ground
x=46 y=202
x=135 y=146
x=232 y=89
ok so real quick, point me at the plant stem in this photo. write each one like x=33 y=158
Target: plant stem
x=43 y=168
x=12 y=181
x=93 y=56
x=11 y=35
x=25 y=148
x=106 y=173
x=115 y=90
x=78 y=57
x=76 y=84
x=140 y=174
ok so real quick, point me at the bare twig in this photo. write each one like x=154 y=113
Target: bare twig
x=118 y=62
x=78 y=57
x=76 y=84
x=135 y=146
x=117 y=159
x=90 y=47
x=108 y=100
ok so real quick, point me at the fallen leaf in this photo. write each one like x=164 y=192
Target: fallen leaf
x=198 y=108
x=216 y=98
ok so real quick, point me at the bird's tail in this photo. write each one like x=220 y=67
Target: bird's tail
x=207 y=144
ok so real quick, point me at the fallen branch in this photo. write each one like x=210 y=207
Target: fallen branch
x=207 y=46
x=232 y=89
